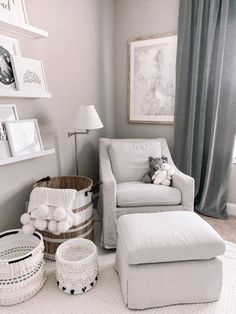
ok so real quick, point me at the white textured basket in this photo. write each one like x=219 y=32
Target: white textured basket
x=21 y=266
x=77 y=267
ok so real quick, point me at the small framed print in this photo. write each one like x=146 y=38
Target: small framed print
x=4 y=149
x=24 y=137
x=8 y=46
x=7 y=113
x=29 y=75
x=13 y=11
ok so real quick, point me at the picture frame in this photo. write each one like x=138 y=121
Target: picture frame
x=151 y=82
x=24 y=137
x=13 y=11
x=29 y=75
x=8 y=46
x=7 y=113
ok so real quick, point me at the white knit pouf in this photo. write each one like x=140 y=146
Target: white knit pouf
x=21 y=266
x=77 y=267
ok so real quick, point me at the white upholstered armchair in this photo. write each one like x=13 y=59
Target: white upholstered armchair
x=122 y=166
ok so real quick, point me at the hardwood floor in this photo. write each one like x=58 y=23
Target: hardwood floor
x=226 y=228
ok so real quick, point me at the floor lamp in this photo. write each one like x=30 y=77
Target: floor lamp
x=87 y=119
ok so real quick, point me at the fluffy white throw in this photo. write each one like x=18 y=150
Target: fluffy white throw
x=52 y=209
x=52 y=197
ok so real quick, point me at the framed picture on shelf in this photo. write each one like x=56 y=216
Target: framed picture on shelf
x=151 y=83
x=24 y=137
x=7 y=113
x=13 y=11
x=29 y=75
x=4 y=149
x=8 y=46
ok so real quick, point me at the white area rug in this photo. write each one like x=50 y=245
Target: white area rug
x=105 y=297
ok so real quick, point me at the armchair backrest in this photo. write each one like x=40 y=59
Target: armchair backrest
x=129 y=157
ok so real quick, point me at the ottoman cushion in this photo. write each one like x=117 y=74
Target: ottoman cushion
x=168 y=237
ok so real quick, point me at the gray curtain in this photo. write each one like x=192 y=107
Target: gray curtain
x=205 y=108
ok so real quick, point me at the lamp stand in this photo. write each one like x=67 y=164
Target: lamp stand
x=76 y=147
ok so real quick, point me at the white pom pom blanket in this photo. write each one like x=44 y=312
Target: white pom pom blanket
x=52 y=197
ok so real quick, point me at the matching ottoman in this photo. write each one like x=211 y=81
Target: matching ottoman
x=168 y=258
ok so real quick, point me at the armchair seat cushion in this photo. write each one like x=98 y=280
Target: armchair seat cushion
x=130 y=194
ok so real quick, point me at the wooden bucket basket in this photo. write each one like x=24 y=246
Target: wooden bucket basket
x=83 y=206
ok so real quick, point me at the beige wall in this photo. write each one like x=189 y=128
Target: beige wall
x=78 y=60
x=138 y=18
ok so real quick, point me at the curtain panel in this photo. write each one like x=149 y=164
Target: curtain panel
x=205 y=107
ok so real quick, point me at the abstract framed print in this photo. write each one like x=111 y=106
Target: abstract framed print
x=151 y=87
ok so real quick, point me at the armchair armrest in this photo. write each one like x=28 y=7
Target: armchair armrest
x=185 y=184
x=108 y=187
x=107 y=196
x=180 y=180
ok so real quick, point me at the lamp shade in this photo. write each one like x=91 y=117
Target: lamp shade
x=87 y=118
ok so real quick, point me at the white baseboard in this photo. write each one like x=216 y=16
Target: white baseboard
x=231 y=209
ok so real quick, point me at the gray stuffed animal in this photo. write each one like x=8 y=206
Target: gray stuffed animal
x=154 y=165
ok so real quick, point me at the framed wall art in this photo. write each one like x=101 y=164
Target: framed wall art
x=7 y=113
x=8 y=46
x=151 y=87
x=24 y=137
x=13 y=11
x=29 y=75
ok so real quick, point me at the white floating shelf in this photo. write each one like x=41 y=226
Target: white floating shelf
x=25 y=30
x=11 y=160
x=14 y=93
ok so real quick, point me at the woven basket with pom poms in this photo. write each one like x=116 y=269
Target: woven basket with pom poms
x=84 y=211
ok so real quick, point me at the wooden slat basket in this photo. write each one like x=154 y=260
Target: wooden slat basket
x=83 y=206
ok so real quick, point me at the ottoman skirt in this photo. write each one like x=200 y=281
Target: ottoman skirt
x=159 y=284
